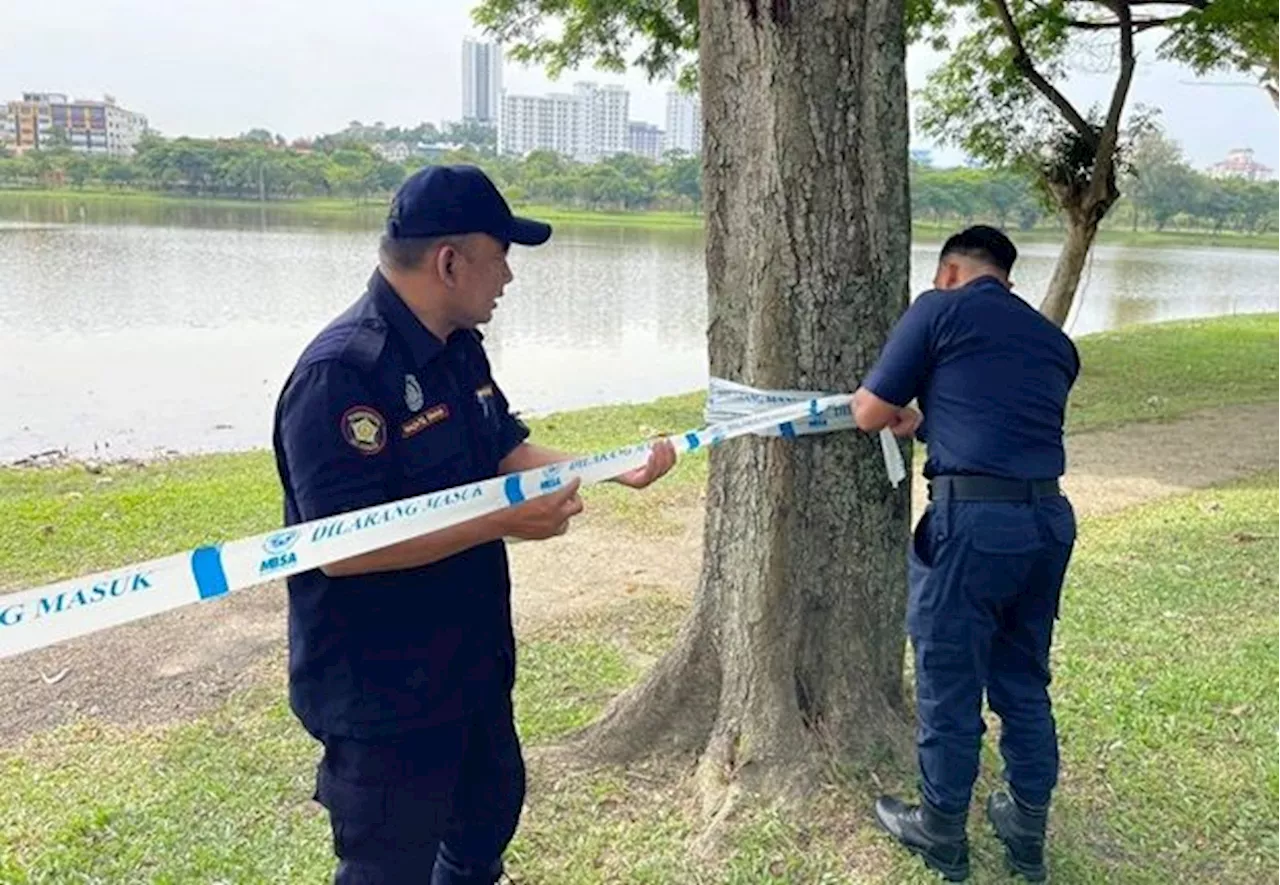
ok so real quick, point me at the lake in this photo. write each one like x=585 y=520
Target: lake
x=129 y=332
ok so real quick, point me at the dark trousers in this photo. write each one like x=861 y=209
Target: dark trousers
x=985 y=584
x=432 y=807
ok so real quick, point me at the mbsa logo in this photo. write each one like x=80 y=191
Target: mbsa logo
x=280 y=542
x=551 y=478
x=276 y=563
x=279 y=547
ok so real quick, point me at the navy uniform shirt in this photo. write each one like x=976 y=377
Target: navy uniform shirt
x=991 y=375
x=378 y=409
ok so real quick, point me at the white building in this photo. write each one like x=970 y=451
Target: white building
x=8 y=127
x=481 y=80
x=124 y=129
x=684 y=123
x=537 y=123
x=602 y=121
x=393 y=151
x=645 y=140
x=587 y=125
x=1240 y=164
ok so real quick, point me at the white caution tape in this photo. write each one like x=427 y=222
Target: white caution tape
x=43 y=616
x=727 y=400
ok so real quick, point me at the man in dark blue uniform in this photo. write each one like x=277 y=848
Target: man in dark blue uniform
x=988 y=556
x=402 y=660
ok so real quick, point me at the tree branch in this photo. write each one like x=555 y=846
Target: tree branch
x=1194 y=4
x=1105 y=159
x=1024 y=63
x=1139 y=26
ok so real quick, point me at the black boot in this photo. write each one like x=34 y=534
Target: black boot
x=1021 y=828
x=938 y=838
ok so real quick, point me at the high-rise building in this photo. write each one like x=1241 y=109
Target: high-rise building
x=602 y=121
x=645 y=140
x=587 y=125
x=8 y=126
x=49 y=119
x=684 y=123
x=537 y=123
x=481 y=80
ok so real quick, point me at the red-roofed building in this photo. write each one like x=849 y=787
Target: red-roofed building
x=1240 y=164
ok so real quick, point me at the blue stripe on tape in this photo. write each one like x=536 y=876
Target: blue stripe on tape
x=693 y=441
x=788 y=430
x=206 y=565
x=512 y=488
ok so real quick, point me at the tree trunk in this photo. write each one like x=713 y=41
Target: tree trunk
x=1081 y=229
x=792 y=656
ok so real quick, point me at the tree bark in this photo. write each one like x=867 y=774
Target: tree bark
x=1081 y=230
x=792 y=656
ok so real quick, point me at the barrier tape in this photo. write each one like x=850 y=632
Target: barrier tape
x=728 y=400
x=43 y=616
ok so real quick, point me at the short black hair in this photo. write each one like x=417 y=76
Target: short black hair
x=408 y=254
x=982 y=243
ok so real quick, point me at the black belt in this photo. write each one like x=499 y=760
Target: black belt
x=991 y=488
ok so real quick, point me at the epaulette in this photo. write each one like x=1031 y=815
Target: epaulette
x=357 y=343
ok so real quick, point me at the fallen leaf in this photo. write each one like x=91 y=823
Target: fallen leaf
x=56 y=677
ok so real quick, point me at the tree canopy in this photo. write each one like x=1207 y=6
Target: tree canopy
x=996 y=95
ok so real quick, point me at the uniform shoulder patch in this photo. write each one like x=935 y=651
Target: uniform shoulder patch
x=358 y=344
x=365 y=344
x=364 y=429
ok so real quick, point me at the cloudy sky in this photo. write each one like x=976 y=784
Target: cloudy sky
x=303 y=67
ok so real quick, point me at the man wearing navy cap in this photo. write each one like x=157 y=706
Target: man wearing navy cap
x=402 y=660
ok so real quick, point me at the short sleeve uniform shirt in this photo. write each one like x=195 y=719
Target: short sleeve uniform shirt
x=992 y=376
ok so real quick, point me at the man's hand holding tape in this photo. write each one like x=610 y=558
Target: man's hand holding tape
x=402 y=660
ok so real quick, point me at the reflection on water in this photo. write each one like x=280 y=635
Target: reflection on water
x=143 y=336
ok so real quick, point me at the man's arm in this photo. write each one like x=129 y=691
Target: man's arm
x=534 y=520
x=528 y=456
x=898 y=375
x=335 y=442
x=872 y=414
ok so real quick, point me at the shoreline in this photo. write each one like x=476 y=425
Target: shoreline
x=372 y=211
x=1109 y=358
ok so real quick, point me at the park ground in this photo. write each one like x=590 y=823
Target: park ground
x=163 y=751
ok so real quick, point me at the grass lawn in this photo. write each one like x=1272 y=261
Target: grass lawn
x=371 y=212
x=1119 y=235
x=1166 y=674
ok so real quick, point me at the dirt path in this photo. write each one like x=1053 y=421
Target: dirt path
x=182 y=663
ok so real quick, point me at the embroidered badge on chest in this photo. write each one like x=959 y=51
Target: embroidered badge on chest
x=412 y=393
x=364 y=429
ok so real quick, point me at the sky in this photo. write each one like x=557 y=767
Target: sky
x=305 y=67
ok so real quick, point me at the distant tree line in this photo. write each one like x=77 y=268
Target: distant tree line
x=258 y=166
x=1162 y=191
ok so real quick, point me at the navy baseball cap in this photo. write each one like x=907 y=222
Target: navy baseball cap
x=440 y=201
